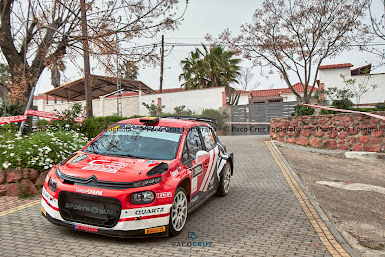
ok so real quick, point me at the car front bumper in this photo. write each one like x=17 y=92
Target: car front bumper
x=140 y=222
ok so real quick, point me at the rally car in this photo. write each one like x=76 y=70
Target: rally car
x=140 y=177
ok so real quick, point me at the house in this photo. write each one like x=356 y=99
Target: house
x=330 y=76
x=279 y=94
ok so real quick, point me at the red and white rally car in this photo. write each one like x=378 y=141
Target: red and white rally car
x=140 y=177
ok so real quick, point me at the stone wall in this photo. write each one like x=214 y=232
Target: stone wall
x=16 y=182
x=345 y=131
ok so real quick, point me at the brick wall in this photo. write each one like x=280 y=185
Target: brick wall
x=345 y=131
x=24 y=182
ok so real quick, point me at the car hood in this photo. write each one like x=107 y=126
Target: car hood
x=110 y=168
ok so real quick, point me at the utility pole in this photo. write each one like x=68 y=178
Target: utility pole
x=118 y=81
x=86 y=56
x=161 y=65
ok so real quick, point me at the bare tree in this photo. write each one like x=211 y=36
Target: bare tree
x=245 y=79
x=378 y=28
x=35 y=34
x=293 y=37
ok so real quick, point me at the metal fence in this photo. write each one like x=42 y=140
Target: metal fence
x=254 y=119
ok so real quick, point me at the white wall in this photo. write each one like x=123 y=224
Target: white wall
x=101 y=107
x=195 y=100
x=243 y=99
x=331 y=78
x=289 y=97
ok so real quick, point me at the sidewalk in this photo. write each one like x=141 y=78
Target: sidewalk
x=358 y=215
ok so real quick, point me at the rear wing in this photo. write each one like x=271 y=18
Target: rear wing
x=203 y=119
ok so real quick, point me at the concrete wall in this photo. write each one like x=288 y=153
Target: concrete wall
x=345 y=131
x=101 y=107
x=331 y=78
x=195 y=100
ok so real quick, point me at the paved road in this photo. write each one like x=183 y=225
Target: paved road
x=259 y=217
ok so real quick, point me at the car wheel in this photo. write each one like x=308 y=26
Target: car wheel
x=224 y=183
x=178 y=213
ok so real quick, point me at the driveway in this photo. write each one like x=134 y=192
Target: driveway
x=261 y=216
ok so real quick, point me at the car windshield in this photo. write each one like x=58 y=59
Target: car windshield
x=138 y=141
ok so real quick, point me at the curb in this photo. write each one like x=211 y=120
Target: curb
x=334 y=243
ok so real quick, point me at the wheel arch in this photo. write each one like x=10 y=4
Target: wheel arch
x=186 y=185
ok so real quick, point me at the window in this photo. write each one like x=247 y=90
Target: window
x=137 y=141
x=185 y=155
x=208 y=137
x=193 y=142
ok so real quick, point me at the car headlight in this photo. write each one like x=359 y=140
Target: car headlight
x=147 y=182
x=142 y=197
x=59 y=174
x=52 y=185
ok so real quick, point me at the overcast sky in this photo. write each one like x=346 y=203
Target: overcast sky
x=202 y=17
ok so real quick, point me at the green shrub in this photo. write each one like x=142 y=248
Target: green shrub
x=67 y=119
x=10 y=127
x=323 y=112
x=380 y=106
x=183 y=111
x=153 y=108
x=302 y=110
x=12 y=110
x=42 y=123
x=92 y=127
x=214 y=114
x=39 y=150
x=345 y=104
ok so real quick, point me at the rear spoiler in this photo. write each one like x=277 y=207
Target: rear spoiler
x=203 y=119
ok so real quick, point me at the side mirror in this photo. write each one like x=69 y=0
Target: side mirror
x=199 y=154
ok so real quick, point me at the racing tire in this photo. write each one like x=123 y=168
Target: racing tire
x=224 y=183
x=178 y=212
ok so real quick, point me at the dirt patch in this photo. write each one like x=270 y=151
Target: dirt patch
x=358 y=215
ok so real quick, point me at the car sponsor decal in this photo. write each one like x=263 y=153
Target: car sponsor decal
x=43 y=211
x=86 y=228
x=197 y=170
x=105 y=166
x=46 y=195
x=164 y=195
x=174 y=173
x=113 y=129
x=155 y=230
x=150 y=162
x=89 y=191
x=194 y=185
x=78 y=158
x=83 y=208
x=194 y=200
x=146 y=211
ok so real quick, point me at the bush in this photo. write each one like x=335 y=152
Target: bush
x=12 y=110
x=345 y=104
x=302 y=110
x=183 y=111
x=67 y=119
x=42 y=123
x=92 y=127
x=214 y=114
x=39 y=150
x=380 y=106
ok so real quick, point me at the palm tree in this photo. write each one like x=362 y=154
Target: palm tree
x=193 y=71
x=213 y=67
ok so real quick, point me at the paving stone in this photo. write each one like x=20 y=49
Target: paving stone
x=259 y=217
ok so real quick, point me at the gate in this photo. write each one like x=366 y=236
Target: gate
x=254 y=119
